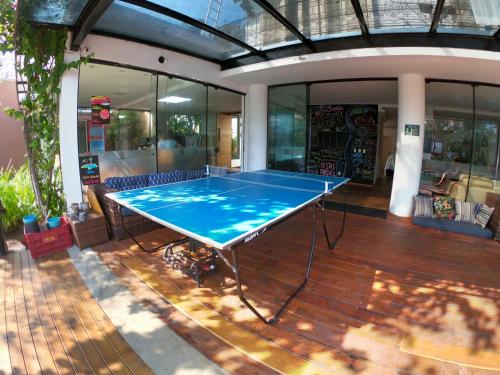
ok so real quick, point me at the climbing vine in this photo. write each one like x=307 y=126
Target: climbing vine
x=40 y=63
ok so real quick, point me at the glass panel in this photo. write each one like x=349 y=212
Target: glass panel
x=126 y=145
x=448 y=139
x=386 y=16
x=58 y=12
x=223 y=107
x=287 y=128
x=182 y=124
x=132 y=21
x=320 y=19
x=485 y=174
x=243 y=20
x=470 y=17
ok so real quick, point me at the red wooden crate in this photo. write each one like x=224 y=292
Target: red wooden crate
x=50 y=241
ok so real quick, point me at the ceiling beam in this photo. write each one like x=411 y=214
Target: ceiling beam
x=437 y=16
x=284 y=21
x=361 y=17
x=193 y=22
x=87 y=20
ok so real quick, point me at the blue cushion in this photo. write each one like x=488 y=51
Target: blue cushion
x=454 y=226
x=140 y=181
x=113 y=183
x=166 y=177
x=126 y=182
x=195 y=173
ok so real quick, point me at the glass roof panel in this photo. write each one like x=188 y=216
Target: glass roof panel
x=135 y=22
x=320 y=19
x=242 y=19
x=61 y=12
x=397 y=16
x=470 y=17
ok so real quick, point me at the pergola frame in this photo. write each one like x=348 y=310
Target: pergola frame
x=96 y=8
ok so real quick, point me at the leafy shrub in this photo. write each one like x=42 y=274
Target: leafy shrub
x=16 y=193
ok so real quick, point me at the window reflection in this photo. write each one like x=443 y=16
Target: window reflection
x=287 y=127
x=461 y=147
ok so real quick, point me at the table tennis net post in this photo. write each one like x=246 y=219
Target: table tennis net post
x=212 y=170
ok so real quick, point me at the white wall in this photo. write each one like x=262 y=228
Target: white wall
x=255 y=128
x=144 y=56
x=409 y=151
x=68 y=133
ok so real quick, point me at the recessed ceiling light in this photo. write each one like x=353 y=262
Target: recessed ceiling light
x=174 y=99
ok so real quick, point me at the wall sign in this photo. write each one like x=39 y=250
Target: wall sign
x=343 y=141
x=100 y=109
x=413 y=130
x=89 y=169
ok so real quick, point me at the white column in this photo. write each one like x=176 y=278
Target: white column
x=411 y=111
x=255 y=128
x=68 y=133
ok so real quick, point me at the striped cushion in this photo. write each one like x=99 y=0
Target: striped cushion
x=423 y=206
x=466 y=211
x=484 y=215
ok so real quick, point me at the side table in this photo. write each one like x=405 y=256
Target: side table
x=90 y=232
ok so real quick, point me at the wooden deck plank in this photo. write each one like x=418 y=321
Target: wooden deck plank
x=391 y=293
x=5 y=366
x=220 y=352
x=73 y=348
x=43 y=353
x=126 y=353
x=54 y=341
x=27 y=345
x=246 y=342
x=83 y=337
x=13 y=337
x=102 y=342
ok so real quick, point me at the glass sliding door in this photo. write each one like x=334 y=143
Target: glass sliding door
x=223 y=114
x=125 y=140
x=287 y=123
x=181 y=124
x=484 y=172
x=448 y=138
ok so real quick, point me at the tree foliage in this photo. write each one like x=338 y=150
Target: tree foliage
x=40 y=62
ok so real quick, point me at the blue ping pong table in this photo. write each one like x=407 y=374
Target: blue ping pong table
x=227 y=211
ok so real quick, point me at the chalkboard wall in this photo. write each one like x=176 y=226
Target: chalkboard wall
x=343 y=141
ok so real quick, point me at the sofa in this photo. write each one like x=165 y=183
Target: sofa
x=479 y=187
x=117 y=216
x=429 y=218
x=453 y=226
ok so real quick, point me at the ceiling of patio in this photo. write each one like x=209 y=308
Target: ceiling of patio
x=240 y=32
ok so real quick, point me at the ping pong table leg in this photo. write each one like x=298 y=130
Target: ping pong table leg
x=331 y=245
x=277 y=315
x=164 y=245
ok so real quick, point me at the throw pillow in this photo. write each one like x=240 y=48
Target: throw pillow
x=484 y=215
x=444 y=207
x=465 y=211
x=423 y=206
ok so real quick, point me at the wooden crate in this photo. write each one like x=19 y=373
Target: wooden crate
x=90 y=232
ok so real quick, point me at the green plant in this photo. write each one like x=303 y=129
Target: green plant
x=40 y=61
x=16 y=195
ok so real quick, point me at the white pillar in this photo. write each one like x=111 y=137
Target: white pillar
x=68 y=133
x=411 y=111
x=255 y=128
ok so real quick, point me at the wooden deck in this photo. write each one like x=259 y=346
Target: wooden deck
x=393 y=298
x=50 y=323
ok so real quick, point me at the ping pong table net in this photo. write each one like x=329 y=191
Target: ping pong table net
x=212 y=170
